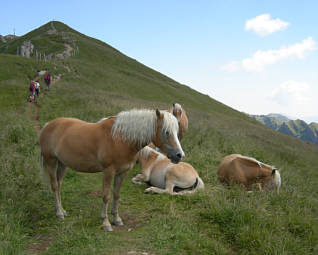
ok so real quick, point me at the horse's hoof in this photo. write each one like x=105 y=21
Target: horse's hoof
x=135 y=181
x=118 y=223
x=65 y=213
x=60 y=216
x=148 y=190
x=107 y=228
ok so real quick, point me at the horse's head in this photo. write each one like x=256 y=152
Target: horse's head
x=275 y=180
x=166 y=137
x=177 y=111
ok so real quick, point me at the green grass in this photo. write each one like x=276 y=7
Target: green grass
x=219 y=220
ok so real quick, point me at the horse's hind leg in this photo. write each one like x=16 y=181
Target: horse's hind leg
x=168 y=190
x=116 y=193
x=61 y=170
x=50 y=164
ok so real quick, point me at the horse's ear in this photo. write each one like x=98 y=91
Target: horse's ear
x=159 y=116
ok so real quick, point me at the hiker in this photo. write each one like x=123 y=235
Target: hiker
x=32 y=91
x=47 y=79
x=37 y=88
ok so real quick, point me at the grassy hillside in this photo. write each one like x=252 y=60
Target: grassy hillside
x=100 y=81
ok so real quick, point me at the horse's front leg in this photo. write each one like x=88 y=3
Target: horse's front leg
x=138 y=179
x=108 y=175
x=143 y=177
x=116 y=193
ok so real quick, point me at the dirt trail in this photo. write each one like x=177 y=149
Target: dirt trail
x=36 y=107
x=40 y=242
x=66 y=53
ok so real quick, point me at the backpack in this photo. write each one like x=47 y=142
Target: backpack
x=31 y=87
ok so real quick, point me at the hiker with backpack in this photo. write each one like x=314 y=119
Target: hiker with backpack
x=47 y=79
x=37 y=88
x=32 y=91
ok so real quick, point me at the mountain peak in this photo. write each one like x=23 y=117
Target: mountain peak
x=278 y=116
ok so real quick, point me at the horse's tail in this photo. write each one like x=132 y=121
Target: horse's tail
x=43 y=171
x=200 y=183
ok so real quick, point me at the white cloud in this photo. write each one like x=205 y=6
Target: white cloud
x=291 y=92
x=295 y=98
x=260 y=58
x=263 y=25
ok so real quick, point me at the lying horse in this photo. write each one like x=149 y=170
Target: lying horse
x=165 y=177
x=182 y=118
x=109 y=146
x=247 y=171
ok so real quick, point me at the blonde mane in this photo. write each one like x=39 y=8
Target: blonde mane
x=260 y=164
x=139 y=126
x=177 y=106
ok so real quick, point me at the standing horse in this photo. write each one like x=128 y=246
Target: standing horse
x=165 y=177
x=109 y=146
x=247 y=171
x=182 y=118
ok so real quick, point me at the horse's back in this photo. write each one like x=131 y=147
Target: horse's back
x=230 y=169
x=74 y=142
x=53 y=130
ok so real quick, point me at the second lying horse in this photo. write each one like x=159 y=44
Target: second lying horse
x=247 y=171
x=164 y=176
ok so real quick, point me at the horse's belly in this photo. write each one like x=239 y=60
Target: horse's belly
x=81 y=164
x=84 y=167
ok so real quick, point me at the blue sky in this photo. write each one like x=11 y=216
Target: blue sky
x=255 y=56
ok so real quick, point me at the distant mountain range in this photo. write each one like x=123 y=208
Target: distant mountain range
x=296 y=128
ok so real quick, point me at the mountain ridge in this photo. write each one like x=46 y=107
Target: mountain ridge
x=296 y=128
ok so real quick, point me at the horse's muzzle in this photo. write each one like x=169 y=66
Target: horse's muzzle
x=175 y=158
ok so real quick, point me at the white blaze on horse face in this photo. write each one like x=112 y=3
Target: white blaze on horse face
x=176 y=139
x=169 y=137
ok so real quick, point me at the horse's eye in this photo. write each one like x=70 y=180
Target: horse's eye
x=167 y=133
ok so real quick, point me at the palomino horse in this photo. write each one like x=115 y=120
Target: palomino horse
x=109 y=146
x=182 y=118
x=165 y=177
x=247 y=171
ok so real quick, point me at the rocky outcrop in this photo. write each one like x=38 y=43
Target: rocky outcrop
x=26 y=49
x=2 y=39
x=7 y=38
